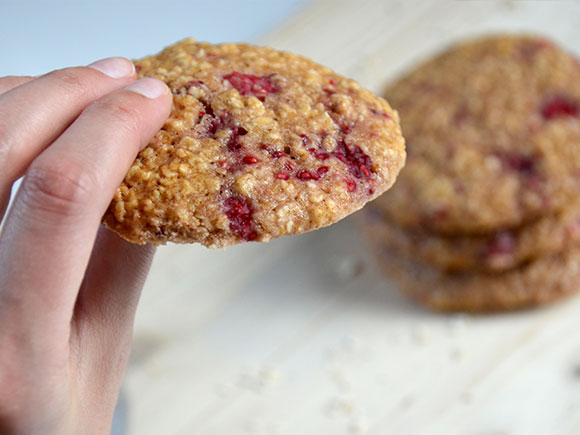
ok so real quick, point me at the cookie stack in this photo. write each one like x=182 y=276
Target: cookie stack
x=486 y=213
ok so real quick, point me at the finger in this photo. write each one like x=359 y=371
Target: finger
x=112 y=284
x=102 y=326
x=34 y=114
x=10 y=82
x=51 y=228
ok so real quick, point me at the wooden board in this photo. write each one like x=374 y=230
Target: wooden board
x=304 y=336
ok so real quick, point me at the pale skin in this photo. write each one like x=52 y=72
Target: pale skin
x=68 y=287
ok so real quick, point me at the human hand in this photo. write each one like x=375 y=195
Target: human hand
x=68 y=287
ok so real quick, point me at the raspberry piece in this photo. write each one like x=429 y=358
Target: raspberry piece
x=316 y=153
x=558 y=107
x=273 y=152
x=322 y=170
x=350 y=184
x=354 y=157
x=239 y=211
x=306 y=175
x=247 y=84
x=234 y=143
x=193 y=83
x=440 y=213
x=282 y=175
x=528 y=49
x=249 y=160
x=518 y=162
x=380 y=113
x=499 y=249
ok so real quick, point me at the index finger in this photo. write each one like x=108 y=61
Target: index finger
x=52 y=226
x=8 y=83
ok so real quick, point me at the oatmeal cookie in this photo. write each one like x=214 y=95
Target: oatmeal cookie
x=535 y=283
x=493 y=136
x=499 y=250
x=259 y=144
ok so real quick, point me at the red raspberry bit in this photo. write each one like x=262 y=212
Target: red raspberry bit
x=350 y=185
x=315 y=152
x=138 y=68
x=461 y=115
x=214 y=125
x=529 y=49
x=305 y=175
x=273 y=152
x=380 y=113
x=282 y=176
x=239 y=212
x=371 y=190
x=234 y=143
x=322 y=170
x=249 y=160
x=440 y=213
x=354 y=157
x=502 y=243
x=330 y=89
x=573 y=229
x=288 y=166
x=345 y=128
x=193 y=83
x=559 y=106
x=247 y=84
x=518 y=162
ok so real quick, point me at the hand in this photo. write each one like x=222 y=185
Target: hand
x=68 y=287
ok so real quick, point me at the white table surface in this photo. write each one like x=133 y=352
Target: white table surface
x=303 y=335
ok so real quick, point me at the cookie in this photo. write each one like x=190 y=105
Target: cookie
x=259 y=144
x=538 y=282
x=499 y=250
x=493 y=136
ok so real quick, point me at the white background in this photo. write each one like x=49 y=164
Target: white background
x=303 y=335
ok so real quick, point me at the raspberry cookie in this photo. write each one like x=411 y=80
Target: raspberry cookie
x=259 y=144
x=496 y=251
x=543 y=280
x=493 y=136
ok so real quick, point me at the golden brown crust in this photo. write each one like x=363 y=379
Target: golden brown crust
x=496 y=251
x=493 y=136
x=543 y=280
x=259 y=144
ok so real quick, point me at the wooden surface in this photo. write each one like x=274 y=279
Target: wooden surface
x=304 y=336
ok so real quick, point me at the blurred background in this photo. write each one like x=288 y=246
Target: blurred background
x=303 y=335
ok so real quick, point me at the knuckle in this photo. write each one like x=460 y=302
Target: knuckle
x=61 y=189
x=122 y=111
x=9 y=152
x=73 y=81
x=4 y=141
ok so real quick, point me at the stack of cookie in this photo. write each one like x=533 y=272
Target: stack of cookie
x=486 y=213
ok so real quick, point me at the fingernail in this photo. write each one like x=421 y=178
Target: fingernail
x=150 y=88
x=115 y=67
